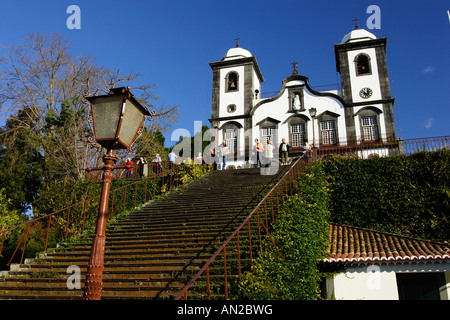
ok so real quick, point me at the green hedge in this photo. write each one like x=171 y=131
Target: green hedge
x=301 y=234
x=408 y=195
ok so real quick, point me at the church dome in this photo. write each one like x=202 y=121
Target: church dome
x=237 y=53
x=357 y=35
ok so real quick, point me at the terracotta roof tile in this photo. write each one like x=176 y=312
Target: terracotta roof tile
x=354 y=244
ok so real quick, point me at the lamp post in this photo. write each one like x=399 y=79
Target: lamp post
x=312 y=113
x=117 y=118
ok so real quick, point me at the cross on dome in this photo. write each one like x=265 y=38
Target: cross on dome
x=294 y=67
x=356 y=22
x=237 y=41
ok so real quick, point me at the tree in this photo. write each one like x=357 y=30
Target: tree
x=42 y=94
x=149 y=143
x=21 y=163
x=8 y=217
x=188 y=143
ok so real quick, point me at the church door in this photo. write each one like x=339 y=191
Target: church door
x=231 y=140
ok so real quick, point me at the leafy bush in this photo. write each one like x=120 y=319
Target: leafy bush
x=301 y=234
x=8 y=217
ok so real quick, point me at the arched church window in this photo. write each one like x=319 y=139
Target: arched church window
x=232 y=81
x=362 y=62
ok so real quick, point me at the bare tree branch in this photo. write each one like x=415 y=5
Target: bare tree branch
x=39 y=75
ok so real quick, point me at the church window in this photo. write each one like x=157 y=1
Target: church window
x=268 y=134
x=232 y=82
x=369 y=128
x=362 y=62
x=298 y=134
x=328 y=132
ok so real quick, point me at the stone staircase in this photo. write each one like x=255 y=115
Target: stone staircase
x=153 y=252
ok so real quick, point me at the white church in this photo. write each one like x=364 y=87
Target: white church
x=360 y=113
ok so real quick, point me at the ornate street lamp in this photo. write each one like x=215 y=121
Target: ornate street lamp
x=117 y=118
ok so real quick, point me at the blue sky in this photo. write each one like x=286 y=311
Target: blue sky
x=171 y=43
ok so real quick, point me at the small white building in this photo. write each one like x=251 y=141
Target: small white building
x=383 y=266
x=362 y=112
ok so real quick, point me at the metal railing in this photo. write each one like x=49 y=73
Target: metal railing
x=410 y=146
x=57 y=227
x=138 y=171
x=378 y=148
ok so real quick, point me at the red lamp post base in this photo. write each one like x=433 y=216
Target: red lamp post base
x=94 y=277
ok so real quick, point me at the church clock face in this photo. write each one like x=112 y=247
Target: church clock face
x=365 y=93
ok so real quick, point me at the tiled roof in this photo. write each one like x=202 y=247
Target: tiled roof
x=359 y=245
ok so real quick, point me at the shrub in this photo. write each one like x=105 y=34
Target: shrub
x=301 y=234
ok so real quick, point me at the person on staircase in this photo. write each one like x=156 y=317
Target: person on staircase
x=259 y=148
x=222 y=152
x=157 y=164
x=142 y=167
x=198 y=159
x=268 y=153
x=305 y=151
x=172 y=157
x=212 y=158
x=129 y=170
x=284 y=152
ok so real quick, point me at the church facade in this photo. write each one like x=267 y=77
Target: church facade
x=360 y=113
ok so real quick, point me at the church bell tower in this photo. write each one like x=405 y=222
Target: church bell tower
x=361 y=62
x=236 y=83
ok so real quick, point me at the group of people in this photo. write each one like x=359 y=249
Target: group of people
x=218 y=155
x=267 y=152
x=142 y=166
x=264 y=154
